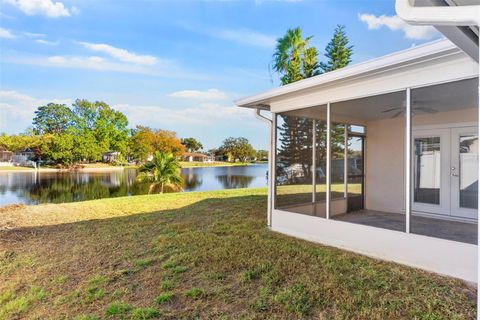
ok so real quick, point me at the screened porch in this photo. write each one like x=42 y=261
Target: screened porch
x=405 y=161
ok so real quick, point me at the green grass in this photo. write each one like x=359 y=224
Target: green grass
x=205 y=255
x=14 y=168
x=144 y=313
x=117 y=308
x=195 y=293
x=164 y=297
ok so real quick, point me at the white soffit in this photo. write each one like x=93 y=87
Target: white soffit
x=444 y=97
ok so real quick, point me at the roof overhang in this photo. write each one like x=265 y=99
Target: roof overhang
x=465 y=37
x=435 y=62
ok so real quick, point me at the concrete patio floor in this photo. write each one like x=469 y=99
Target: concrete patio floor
x=432 y=227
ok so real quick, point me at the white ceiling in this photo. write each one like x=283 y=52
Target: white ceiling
x=441 y=98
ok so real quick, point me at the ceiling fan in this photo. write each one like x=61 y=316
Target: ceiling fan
x=401 y=110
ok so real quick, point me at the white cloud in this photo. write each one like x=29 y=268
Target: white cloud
x=47 y=8
x=6 y=34
x=18 y=108
x=259 y=2
x=394 y=23
x=46 y=42
x=92 y=62
x=34 y=35
x=120 y=54
x=210 y=94
x=166 y=69
x=247 y=37
x=204 y=114
x=240 y=36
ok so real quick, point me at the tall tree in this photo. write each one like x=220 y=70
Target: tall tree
x=97 y=122
x=58 y=148
x=262 y=155
x=52 y=118
x=237 y=148
x=144 y=141
x=139 y=145
x=192 y=144
x=162 y=171
x=294 y=59
x=338 y=51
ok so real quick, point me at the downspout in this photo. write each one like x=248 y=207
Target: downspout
x=447 y=16
x=271 y=165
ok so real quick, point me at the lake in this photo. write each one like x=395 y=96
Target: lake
x=57 y=187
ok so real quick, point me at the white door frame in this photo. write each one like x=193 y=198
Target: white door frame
x=456 y=210
x=443 y=208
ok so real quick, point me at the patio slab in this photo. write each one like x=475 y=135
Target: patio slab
x=432 y=227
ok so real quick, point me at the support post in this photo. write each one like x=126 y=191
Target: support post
x=328 y=165
x=478 y=198
x=408 y=159
x=345 y=163
x=314 y=162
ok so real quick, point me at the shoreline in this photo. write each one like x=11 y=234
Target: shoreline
x=118 y=168
x=23 y=169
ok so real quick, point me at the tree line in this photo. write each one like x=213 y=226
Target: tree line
x=85 y=131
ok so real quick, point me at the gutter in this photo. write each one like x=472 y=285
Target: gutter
x=438 y=16
x=271 y=165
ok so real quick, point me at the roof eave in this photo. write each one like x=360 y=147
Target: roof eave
x=392 y=61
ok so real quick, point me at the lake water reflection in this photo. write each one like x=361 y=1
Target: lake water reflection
x=58 y=187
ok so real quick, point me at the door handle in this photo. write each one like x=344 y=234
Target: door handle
x=454 y=175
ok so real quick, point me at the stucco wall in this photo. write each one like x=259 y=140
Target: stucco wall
x=385 y=163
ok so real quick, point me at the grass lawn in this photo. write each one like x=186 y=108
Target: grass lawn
x=14 y=168
x=187 y=164
x=205 y=255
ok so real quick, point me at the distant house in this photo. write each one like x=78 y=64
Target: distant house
x=220 y=158
x=111 y=156
x=6 y=157
x=197 y=157
x=25 y=157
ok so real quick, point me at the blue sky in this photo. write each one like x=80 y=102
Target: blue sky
x=175 y=65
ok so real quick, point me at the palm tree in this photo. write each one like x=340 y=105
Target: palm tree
x=162 y=171
x=294 y=59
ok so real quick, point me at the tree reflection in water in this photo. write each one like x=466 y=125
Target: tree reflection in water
x=59 y=187
x=234 y=182
x=191 y=180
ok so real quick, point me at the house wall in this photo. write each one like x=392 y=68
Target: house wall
x=385 y=158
